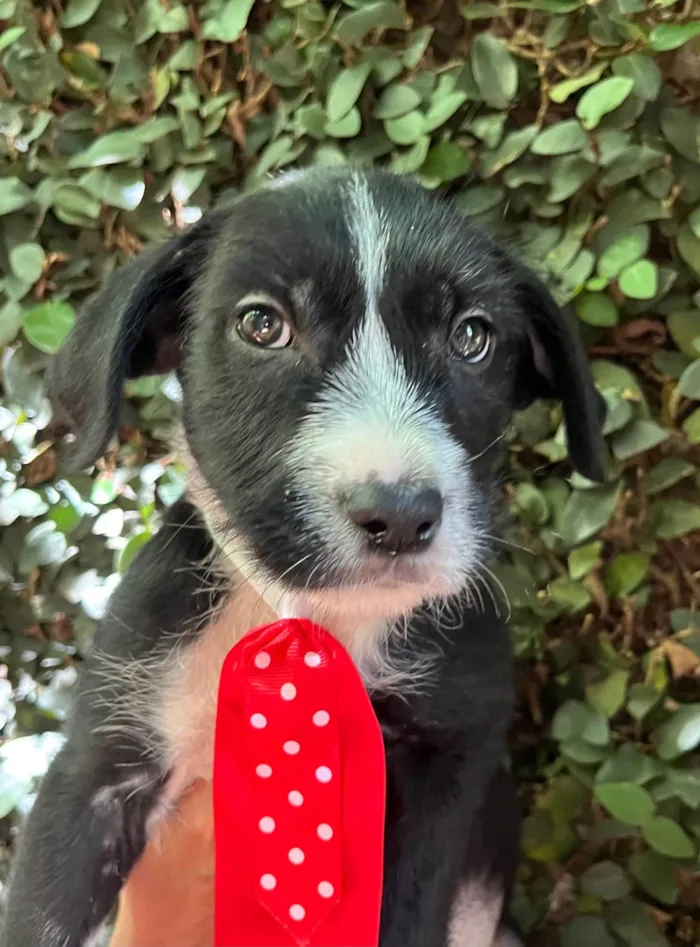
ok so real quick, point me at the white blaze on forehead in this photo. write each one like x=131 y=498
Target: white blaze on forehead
x=370 y=235
x=370 y=402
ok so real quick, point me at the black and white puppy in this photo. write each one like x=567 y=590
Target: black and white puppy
x=350 y=350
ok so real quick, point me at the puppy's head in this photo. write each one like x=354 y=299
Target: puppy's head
x=350 y=350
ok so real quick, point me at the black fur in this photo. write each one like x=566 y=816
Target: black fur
x=449 y=816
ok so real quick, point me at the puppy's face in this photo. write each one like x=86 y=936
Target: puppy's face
x=350 y=351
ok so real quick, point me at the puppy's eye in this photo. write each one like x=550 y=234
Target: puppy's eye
x=471 y=338
x=263 y=326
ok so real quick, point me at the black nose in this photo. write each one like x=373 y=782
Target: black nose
x=396 y=517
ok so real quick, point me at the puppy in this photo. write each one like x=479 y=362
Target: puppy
x=350 y=350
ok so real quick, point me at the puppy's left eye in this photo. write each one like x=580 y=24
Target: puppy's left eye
x=471 y=338
x=265 y=327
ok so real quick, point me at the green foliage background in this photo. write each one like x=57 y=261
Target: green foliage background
x=571 y=130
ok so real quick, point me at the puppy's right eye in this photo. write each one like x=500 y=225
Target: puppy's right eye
x=264 y=327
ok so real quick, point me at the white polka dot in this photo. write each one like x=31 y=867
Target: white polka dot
x=326 y=889
x=263 y=770
x=321 y=718
x=259 y=721
x=296 y=798
x=268 y=882
x=262 y=660
x=312 y=659
x=288 y=692
x=296 y=856
x=324 y=832
x=323 y=774
x=291 y=747
x=297 y=912
x=266 y=825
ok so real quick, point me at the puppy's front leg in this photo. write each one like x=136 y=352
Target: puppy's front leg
x=88 y=824
x=440 y=794
x=86 y=831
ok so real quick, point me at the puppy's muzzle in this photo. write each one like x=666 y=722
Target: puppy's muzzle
x=395 y=518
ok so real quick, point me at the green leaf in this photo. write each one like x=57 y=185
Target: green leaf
x=128 y=553
x=495 y=70
x=689 y=248
x=668 y=36
x=671 y=519
x=574 y=719
x=642 y=69
x=445 y=162
x=682 y=129
x=606 y=880
x=637 y=437
x=382 y=14
x=694 y=221
x=14 y=195
x=625 y=251
x=640 y=280
x=608 y=695
x=348 y=126
x=405 y=130
x=584 y=559
x=185 y=182
x=642 y=699
x=603 y=97
x=560 y=139
x=228 y=25
x=441 y=109
x=625 y=802
x=684 y=326
x=27 y=262
x=667 y=838
x=10 y=321
x=628 y=765
x=667 y=473
x=109 y=149
x=587 y=512
x=47 y=325
x=411 y=160
x=655 y=875
x=345 y=90
x=395 y=101
x=175 y=20
x=586 y=931
x=481 y=11
x=11 y=35
x=631 y=922
x=596 y=309
x=22 y=503
x=625 y=572
x=511 y=148
x=43 y=546
x=573 y=596
x=561 y=91
x=689 y=382
x=681 y=733
x=118 y=187
x=79 y=12
x=691 y=427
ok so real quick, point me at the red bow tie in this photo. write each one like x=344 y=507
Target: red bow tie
x=299 y=794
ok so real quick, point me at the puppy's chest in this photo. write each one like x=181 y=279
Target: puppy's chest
x=187 y=700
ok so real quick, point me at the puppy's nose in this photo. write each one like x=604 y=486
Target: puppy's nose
x=396 y=517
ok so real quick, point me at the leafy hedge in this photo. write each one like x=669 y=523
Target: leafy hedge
x=572 y=130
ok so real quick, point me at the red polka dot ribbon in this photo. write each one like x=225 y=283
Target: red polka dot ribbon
x=299 y=794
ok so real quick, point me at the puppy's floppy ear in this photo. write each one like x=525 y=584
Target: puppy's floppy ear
x=133 y=326
x=559 y=369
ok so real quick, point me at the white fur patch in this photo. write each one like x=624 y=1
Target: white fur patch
x=476 y=915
